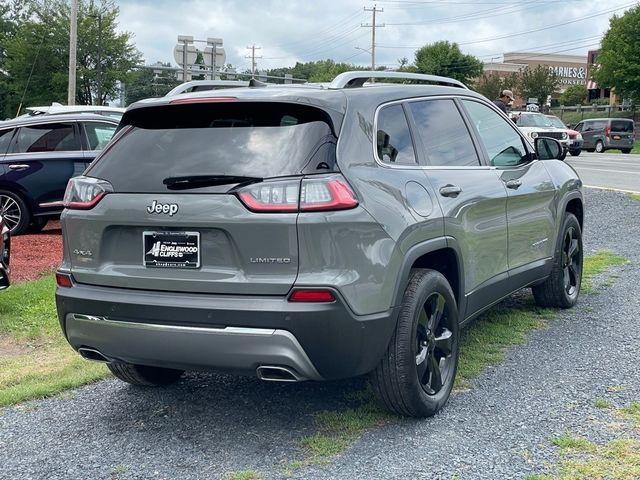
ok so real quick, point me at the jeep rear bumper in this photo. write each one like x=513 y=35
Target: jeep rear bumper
x=223 y=332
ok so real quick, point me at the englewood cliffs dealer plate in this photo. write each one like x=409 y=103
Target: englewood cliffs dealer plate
x=171 y=249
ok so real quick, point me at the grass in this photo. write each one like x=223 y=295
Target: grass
x=44 y=364
x=581 y=459
x=601 y=403
x=634 y=196
x=632 y=412
x=597 y=264
x=573 y=118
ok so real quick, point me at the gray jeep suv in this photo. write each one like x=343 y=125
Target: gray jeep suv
x=313 y=233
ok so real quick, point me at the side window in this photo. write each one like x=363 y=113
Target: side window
x=443 y=133
x=53 y=137
x=503 y=144
x=578 y=128
x=5 y=140
x=394 y=142
x=98 y=134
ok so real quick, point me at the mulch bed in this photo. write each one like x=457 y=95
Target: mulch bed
x=36 y=254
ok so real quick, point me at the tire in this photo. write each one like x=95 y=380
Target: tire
x=625 y=150
x=144 y=375
x=562 y=287
x=415 y=376
x=37 y=225
x=15 y=212
x=575 y=153
x=599 y=146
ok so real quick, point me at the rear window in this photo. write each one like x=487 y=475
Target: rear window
x=263 y=140
x=621 y=126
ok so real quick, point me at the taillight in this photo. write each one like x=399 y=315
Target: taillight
x=607 y=131
x=84 y=193
x=312 y=194
x=312 y=296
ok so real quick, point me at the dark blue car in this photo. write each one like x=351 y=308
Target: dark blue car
x=38 y=156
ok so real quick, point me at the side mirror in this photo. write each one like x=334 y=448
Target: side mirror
x=548 y=148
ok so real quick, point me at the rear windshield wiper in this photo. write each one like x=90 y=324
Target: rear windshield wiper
x=197 y=181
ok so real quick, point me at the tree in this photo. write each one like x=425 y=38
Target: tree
x=618 y=65
x=149 y=82
x=539 y=83
x=491 y=85
x=574 y=95
x=446 y=59
x=37 y=55
x=320 y=71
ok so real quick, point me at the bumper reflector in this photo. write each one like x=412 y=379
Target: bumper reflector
x=64 y=280
x=319 y=296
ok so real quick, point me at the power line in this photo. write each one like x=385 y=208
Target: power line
x=253 y=57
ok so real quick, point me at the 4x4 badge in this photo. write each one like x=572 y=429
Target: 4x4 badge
x=166 y=208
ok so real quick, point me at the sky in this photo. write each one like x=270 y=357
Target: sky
x=289 y=31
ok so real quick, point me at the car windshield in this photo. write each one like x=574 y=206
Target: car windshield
x=556 y=122
x=534 y=120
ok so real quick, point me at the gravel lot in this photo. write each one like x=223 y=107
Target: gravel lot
x=209 y=425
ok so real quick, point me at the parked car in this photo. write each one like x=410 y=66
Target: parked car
x=58 y=109
x=575 y=139
x=536 y=125
x=38 y=156
x=601 y=134
x=332 y=232
x=5 y=255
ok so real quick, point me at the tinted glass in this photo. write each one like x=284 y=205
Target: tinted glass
x=53 y=137
x=5 y=139
x=621 y=126
x=394 y=138
x=98 y=134
x=503 y=144
x=443 y=133
x=244 y=139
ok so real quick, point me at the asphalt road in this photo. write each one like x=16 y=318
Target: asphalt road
x=502 y=428
x=608 y=170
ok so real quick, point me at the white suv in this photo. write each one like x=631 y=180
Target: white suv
x=536 y=125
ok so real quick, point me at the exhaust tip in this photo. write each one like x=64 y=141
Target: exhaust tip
x=93 y=354
x=273 y=373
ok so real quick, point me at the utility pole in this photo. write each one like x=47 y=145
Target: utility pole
x=253 y=57
x=373 y=32
x=73 y=44
x=99 y=93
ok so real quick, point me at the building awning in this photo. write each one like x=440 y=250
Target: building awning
x=591 y=85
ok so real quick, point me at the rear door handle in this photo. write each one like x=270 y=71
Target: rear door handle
x=450 y=190
x=514 y=184
x=18 y=166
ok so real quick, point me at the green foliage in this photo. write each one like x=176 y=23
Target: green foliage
x=491 y=85
x=320 y=71
x=574 y=95
x=145 y=83
x=617 y=63
x=41 y=45
x=446 y=59
x=538 y=83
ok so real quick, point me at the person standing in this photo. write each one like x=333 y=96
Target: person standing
x=506 y=97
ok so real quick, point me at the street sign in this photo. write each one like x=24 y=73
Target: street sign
x=179 y=54
x=208 y=56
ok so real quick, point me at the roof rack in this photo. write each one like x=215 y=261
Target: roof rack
x=358 y=79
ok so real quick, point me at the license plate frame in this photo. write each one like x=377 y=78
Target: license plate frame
x=616 y=137
x=168 y=249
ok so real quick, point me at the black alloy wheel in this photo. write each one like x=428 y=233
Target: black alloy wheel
x=571 y=262
x=434 y=345
x=416 y=374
